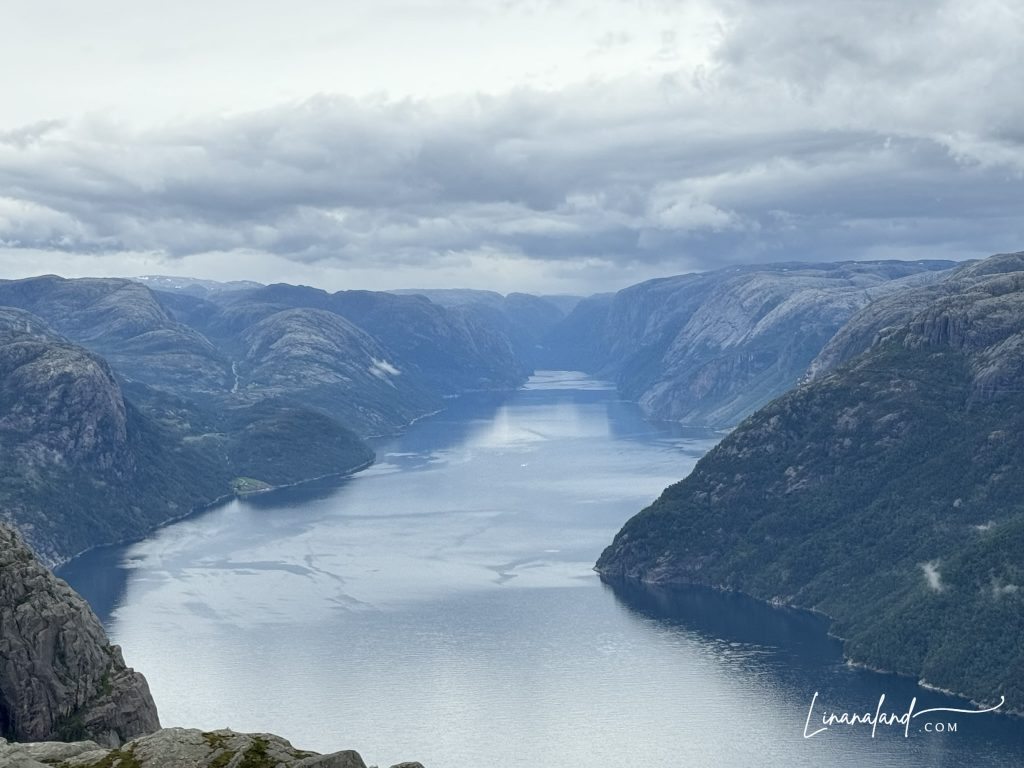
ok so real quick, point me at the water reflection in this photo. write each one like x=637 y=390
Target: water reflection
x=441 y=606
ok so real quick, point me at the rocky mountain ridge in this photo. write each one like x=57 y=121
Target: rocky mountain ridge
x=884 y=492
x=708 y=349
x=141 y=406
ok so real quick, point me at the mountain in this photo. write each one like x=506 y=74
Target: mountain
x=122 y=407
x=123 y=321
x=708 y=349
x=885 y=492
x=193 y=286
x=321 y=358
x=449 y=350
x=523 y=318
x=61 y=678
x=81 y=464
x=68 y=697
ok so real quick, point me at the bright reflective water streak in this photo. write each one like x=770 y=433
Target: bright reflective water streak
x=441 y=606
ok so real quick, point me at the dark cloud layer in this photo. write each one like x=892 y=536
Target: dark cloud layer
x=818 y=130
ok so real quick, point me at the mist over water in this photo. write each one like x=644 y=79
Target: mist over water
x=441 y=606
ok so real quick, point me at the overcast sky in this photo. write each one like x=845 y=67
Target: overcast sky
x=540 y=145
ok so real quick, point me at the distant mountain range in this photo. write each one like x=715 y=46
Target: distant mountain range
x=179 y=391
x=885 y=490
x=709 y=349
x=123 y=407
x=874 y=474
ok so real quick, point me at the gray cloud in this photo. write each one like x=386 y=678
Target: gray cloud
x=818 y=130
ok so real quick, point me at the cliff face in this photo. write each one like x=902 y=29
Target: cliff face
x=59 y=676
x=709 y=349
x=887 y=315
x=885 y=493
x=58 y=403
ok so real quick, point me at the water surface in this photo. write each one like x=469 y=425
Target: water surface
x=441 y=606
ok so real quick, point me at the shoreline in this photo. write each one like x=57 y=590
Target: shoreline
x=200 y=509
x=224 y=498
x=847 y=659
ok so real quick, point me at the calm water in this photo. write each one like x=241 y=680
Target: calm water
x=441 y=607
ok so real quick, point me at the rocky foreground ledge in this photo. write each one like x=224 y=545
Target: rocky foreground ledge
x=179 y=748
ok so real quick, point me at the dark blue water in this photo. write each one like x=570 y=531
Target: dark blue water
x=441 y=607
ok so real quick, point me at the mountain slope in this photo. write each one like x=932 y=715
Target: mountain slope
x=81 y=465
x=322 y=360
x=67 y=434
x=123 y=321
x=451 y=351
x=523 y=318
x=887 y=494
x=708 y=349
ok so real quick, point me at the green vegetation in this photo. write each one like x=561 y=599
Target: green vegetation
x=215 y=739
x=256 y=755
x=223 y=759
x=888 y=495
x=160 y=474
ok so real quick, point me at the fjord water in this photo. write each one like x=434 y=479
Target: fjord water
x=440 y=606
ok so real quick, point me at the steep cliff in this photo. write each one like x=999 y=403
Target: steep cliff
x=886 y=493
x=708 y=349
x=59 y=676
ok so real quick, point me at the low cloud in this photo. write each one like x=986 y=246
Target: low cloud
x=814 y=131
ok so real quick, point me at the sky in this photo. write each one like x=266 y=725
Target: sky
x=551 y=146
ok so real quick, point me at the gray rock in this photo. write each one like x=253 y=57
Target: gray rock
x=709 y=349
x=41 y=754
x=179 y=748
x=61 y=679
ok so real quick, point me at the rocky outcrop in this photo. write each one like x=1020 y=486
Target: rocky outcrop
x=985 y=287
x=177 y=748
x=709 y=349
x=60 y=678
x=180 y=748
